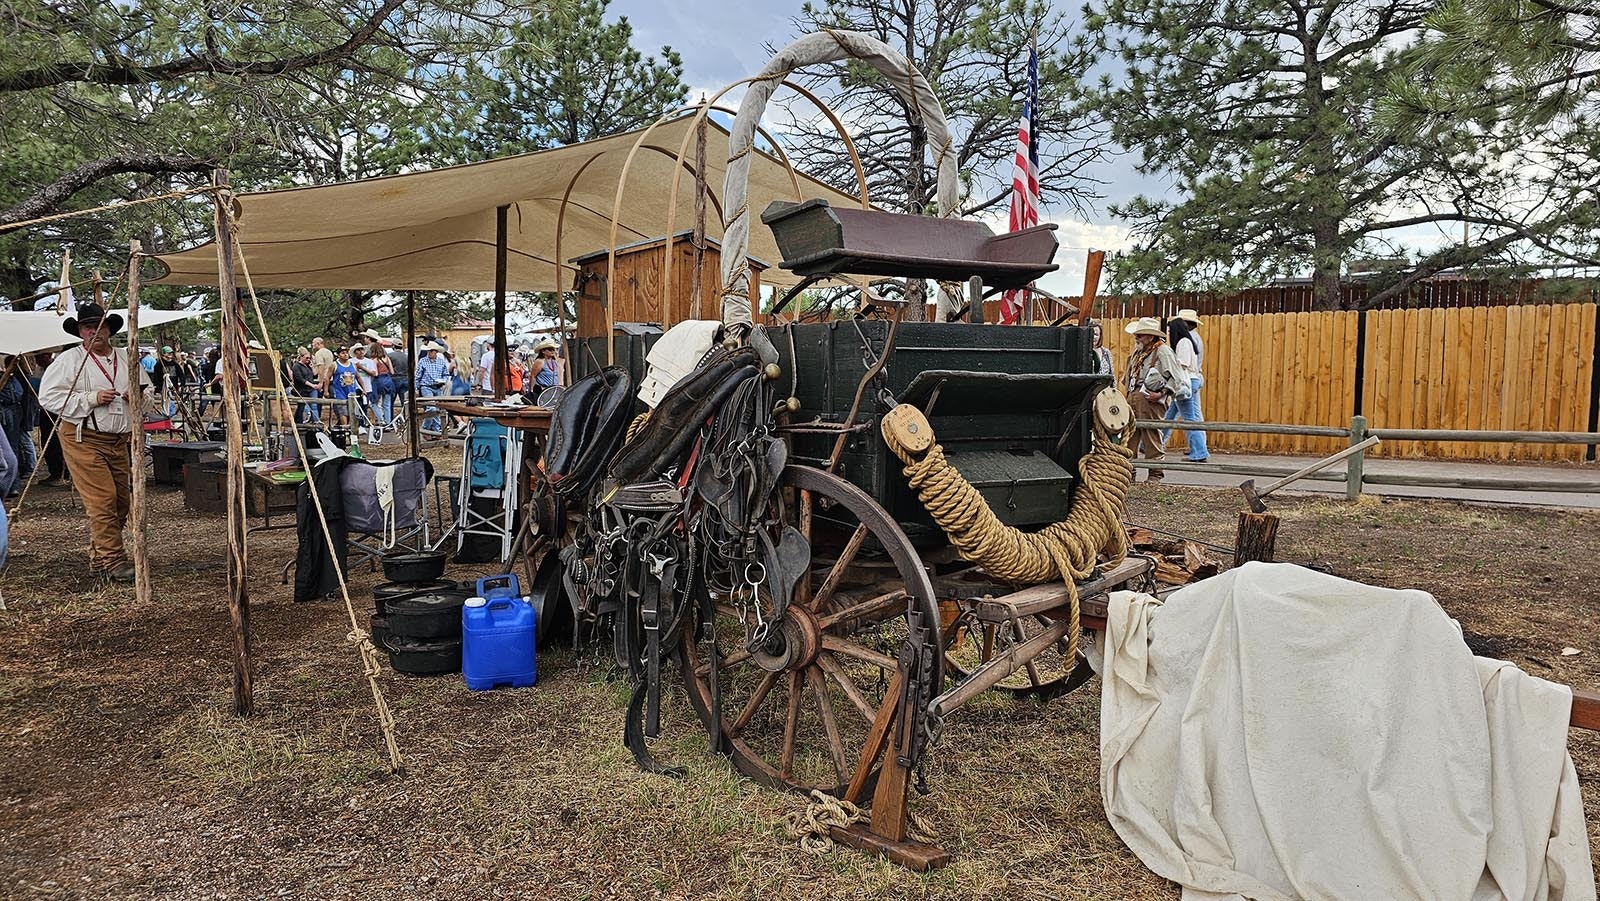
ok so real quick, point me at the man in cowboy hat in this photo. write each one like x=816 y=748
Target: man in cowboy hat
x=433 y=380
x=1152 y=378
x=88 y=387
x=546 y=366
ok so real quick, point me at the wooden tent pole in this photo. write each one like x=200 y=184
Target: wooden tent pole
x=137 y=512
x=502 y=362
x=411 y=389
x=234 y=371
x=699 y=239
x=64 y=289
x=1091 y=284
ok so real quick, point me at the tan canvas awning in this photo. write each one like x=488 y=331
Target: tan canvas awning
x=435 y=230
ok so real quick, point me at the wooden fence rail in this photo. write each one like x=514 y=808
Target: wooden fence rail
x=1527 y=368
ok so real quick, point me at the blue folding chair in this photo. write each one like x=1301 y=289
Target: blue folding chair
x=491 y=462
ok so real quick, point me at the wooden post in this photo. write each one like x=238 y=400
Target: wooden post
x=1256 y=538
x=234 y=369
x=975 y=300
x=63 y=291
x=1091 y=284
x=1353 y=466
x=137 y=512
x=502 y=362
x=411 y=389
x=699 y=239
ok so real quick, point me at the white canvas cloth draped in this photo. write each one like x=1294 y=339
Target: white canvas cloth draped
x=23 y=332
x=1276 y=733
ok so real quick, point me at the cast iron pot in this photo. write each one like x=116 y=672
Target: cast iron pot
x=384 y=592
x=426 y=566
x=429 y=616
x=379 y=627
x=414 y=657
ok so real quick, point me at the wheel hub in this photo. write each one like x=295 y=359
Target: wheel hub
x=792 y=643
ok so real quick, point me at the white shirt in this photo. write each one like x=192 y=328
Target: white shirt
x=366 y=369
x=1188 y=359
x=69 y=388
x=486 y=381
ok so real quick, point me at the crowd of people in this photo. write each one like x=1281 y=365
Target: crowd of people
x=377 y=376
x=1162 y=379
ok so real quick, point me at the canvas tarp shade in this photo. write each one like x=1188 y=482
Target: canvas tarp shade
x=28 y=332
x=435 y=230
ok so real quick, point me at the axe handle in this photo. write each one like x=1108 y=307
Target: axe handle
x=1324 y=463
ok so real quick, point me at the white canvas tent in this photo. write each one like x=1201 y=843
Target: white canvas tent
x=436 y=229
x=31 y=332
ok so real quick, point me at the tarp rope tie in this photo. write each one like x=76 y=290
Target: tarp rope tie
x=1067 y=550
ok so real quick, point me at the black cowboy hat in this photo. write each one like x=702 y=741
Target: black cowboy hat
x=90 y=314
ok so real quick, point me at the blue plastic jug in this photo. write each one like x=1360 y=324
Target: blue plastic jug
x=497 y=636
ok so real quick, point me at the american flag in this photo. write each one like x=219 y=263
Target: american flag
x=1024 y=181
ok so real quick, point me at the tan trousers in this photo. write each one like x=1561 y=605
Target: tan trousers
x=1147 y=443
x=102 y=473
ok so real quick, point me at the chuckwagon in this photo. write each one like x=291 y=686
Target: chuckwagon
x=842 y=530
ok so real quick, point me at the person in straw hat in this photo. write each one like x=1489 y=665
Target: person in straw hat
x=1151 y=380
x=546 y=366
x=88 y=386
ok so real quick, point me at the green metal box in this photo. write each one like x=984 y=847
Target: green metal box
x=1009 y=404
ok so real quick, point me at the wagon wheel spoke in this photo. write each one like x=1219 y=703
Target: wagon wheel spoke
x=866 y=612
x=847 y=685
x=830 y=723
x=734 y=659
x=1030 y=667
x=819 y=603
x=802 y=588
x=759 y=695
x=791 y=726
x=851 y=649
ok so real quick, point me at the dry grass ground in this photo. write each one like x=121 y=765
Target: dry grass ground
x=123 y=775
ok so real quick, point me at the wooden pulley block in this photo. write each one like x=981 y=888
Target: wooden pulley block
x=1113 y=410
x=906 y=427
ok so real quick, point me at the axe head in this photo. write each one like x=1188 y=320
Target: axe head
x=1248 y=486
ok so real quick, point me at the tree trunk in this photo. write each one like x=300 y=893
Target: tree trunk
x=356 y=308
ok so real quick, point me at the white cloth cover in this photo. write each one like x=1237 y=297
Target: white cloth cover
x=675 y=355
x=1275 y=732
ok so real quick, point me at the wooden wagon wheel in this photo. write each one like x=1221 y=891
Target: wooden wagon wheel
x=800 y=719
x=970 y=643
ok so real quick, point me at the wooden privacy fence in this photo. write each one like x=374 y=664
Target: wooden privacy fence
x=1506 y=368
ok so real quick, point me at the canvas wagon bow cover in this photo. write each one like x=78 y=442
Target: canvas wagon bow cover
x=434 y=230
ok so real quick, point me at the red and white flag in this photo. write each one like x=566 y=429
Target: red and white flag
x=1024 y=182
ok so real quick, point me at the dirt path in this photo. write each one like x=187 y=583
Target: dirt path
x=123 y=775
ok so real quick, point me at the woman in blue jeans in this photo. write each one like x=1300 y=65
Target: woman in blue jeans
x=1187 y=409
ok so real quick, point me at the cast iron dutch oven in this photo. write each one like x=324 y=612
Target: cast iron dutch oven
x=416 y=657
x=427 y=616
x=424 y=566
x=384 y=592
x=379 y=627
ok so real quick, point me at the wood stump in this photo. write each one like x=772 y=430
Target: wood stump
x=1258 y=533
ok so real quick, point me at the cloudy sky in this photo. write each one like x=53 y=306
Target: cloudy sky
x=722 y=47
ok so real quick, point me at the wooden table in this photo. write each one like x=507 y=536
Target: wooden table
x=533 y=419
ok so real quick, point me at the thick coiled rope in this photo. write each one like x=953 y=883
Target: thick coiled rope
x=1067 y=550
x=811 y=827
